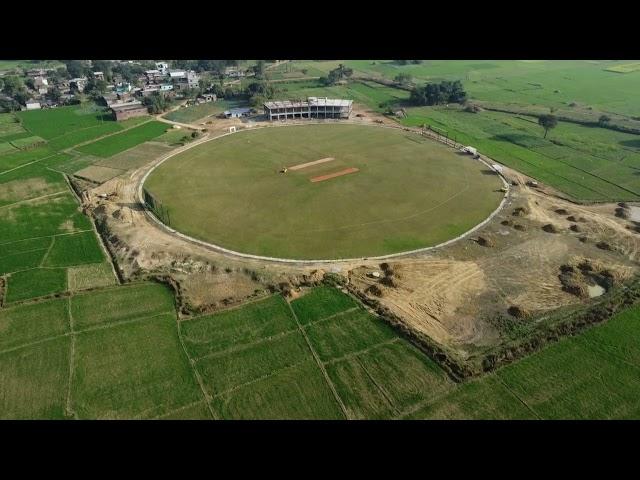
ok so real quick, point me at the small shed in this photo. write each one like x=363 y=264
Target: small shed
x=237 y=112
x=497 y=168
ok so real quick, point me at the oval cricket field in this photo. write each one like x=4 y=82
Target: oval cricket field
x=348 y=191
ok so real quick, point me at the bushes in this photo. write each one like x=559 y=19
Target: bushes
x=438 y=93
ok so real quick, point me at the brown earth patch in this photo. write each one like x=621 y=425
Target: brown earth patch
x=309 y=164
x=329 y=176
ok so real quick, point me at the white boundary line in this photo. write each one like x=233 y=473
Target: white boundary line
x=220 y=249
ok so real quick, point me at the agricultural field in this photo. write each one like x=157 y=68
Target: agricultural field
x=370 y=94
x=114 y=144
x=587 y=163
x=348 y=216
x=195 y=113
x=261 y=361
x=35 y=283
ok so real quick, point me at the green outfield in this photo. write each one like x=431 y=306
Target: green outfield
x=409 y=192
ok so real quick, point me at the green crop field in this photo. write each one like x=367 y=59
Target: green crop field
x=76 y=249
x=587 y=163
x=27 y=142
x=234 y=184
x=121 y=304
x=36 y=283
x=133 y=370
x=120 y=142
x=105 y=354
x=53 y=123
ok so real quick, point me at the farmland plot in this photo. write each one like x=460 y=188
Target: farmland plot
x=35 y=283
x=121 y=304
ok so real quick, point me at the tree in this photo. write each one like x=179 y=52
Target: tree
x=104 y=66
x=95 y=88
x=13 y=85
x=438 y=93
x=258 y=69
x=156 y=102
x=403 y=78
x=604 y=120
x=8 y=105
x=547 y=122
x=54 y=94
x=76 y=68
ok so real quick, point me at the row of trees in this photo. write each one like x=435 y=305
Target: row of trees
x=438 y=93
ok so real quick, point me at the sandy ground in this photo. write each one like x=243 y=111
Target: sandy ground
x=447 y=293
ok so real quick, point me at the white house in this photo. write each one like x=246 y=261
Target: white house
x=162 y=67
x=33 y=105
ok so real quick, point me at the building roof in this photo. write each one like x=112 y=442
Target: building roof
x=127 y=106
x=177 y=73
x=152 y=72
x=310 y=102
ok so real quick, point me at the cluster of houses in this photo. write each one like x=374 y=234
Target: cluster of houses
x=125 y=97
x=125 y=100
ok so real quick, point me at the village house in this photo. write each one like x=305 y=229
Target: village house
x=78 y=83
x=98 y=75
x=162 y=67
x=184 y=79
x=33 y=105
x=128 y=110
x=41 y=85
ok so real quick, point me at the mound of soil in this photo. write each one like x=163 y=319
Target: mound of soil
x=574 y=228
x=485 y=242
x=517 y=226
x=506 y=223
x=566 y=268
x=623 y=205
x=375 y=290
x=388 y=281
x=520 y=211
x=574 y=284
x=518 y=312
x=550 y=228
x=604 y=246
x=571 y=218
x=623 y=213
x=561 y=211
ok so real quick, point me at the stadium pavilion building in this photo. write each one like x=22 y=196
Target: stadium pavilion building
x=313 y=107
